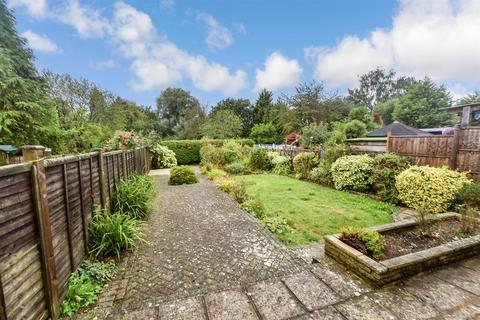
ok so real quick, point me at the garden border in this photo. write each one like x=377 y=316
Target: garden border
x=380 y=273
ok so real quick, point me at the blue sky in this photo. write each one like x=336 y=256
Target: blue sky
x=217 y=49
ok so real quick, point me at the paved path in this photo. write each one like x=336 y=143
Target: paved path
x=207 y=259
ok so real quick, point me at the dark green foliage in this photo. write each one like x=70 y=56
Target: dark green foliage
x=134 y=197
x=260 y=160
x=235 y=168
x=182 y=175
x=373 y=240
x=314 y=135
x=262 y=107
x=224 y=124
x=240 y=107
x=355 y=129
x=111 y=234
x=232 y=152
x=470 y=195
x=385 y=169
x=254 y=206
x=264 y=133
x=85 y=284
x=303 y=163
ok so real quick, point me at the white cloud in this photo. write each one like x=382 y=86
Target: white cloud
x=240 y=27
x=435 y=38
x=279 y=72
x=88 y=22
x=167 y=4
x=104 y=65
x=35 y=8
x=40 y=42
x=218 y=36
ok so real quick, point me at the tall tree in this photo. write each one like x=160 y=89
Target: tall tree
x=172 y=107
x=423 y=105
x=241 y=107
x=27 y=114
x=223 y=124
x=262 y=107
x=378 y=86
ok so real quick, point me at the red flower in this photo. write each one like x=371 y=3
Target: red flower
x=123 y=142
x=120 y=136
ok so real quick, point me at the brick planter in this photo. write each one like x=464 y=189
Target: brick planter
x=380 y=273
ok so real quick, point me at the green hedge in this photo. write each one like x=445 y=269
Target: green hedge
x=188 y=151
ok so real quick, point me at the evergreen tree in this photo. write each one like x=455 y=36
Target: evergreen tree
x=262 y=108
x=241 y=107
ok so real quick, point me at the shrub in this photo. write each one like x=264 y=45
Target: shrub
x=277 y=225
x=212 y=172
x=385 y=169
x=430 y=189
x=186 y=151
x=182 y=175
x=322 y=174
x=235 y=168
x=260 y=160
x=85 y=284
x=255 y=207
x=211 y=154
x=314 y=135
x=355 y=129
x=303 y=163
x=162 y=157
x=352 y=172
x=469 y=195
x=232 y=152
x=372 y=242
x=124 y=140
x=281 y=165
x=111 y=234
x=264 y=133
x=134 y=197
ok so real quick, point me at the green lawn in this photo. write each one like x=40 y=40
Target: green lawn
x=313 y=210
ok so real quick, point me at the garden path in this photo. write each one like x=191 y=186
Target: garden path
x=207 y=259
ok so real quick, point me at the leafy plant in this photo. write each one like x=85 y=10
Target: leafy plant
x=260 y=160
x=134 y=197
x=314 y=135
x=211 y=154
x=111 y=234
x=182 y=175
x=352 y=172
x=232 y=152
x=277 y=225
x=162 y=157
x=303 y=163
x=322 y=174
x=124 y=140
x=85 y=284
x=428 y=188
x=235 y=189
x=255 y=207
x=386 y=167
x=235 y=168
x=281 y=165
x=469 y=195
x=373 y=241
x=264 y=133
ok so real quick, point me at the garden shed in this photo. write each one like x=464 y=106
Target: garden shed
x=397 y=129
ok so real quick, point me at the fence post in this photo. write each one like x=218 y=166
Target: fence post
x=39 y=184
x=101 y=179
x=455 y=144
x=149 y=164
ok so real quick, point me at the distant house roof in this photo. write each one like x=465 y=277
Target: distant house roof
x=397 y=129
x=7 y=148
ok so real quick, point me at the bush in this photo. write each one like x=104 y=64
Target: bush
x=111 y=234
x=374 y=242
x=124 y=140
x=281 y=165
x=314 y=135
x=352 y=172
x=322 y=174
x=260 y=160
x=235 y=168
x=235 y=189
x=232 y=152
x=386 y=167
x=430 y=189
x=211 y=154
x=182 y=175
x=277 y=225
x=303 y=163
x=355 y=129
x=469 y=195
x=264 y=133
x=213 y=172
x=254 y=207
x=162 y=157
x=134 y=197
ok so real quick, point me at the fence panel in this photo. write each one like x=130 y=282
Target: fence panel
x=429 y=150
x=468 y=157
x=73 y=185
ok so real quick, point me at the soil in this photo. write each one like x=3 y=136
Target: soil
x=414 y=240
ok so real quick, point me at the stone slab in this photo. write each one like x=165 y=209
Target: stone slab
x=313 y=293
x=229 y=305
x=328 y=313
x=274 y=301
x=183 y=310
x=145 y=314
x=364 y=308
x=462 y=277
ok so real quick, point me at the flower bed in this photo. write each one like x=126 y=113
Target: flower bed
x=396 y=265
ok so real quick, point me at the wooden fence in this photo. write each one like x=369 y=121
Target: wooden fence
x=460 y=151
x=45 y=208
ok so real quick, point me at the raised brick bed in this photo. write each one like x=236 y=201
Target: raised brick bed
x=380 y=273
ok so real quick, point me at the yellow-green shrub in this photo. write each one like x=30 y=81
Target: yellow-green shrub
x=430 y=189
x=352 y=172
x=303 y=163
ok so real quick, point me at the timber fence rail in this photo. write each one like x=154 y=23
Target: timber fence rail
x=460 y=151
x=45 y=208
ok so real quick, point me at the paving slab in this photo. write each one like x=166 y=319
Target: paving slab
x=313 y=293
x=229 y=305
x=364 y=308
x=403 y=304
x=328 y=313
x=144 y=314
x=187 y=309
x=471 y=311
x=274 y=301
x=472 y=263
x=437 y=292
x=465 y=278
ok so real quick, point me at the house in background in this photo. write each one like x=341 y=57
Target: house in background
x=397 y=129
x=469 y=113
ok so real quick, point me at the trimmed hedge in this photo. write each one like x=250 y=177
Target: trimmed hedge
x=188 y=151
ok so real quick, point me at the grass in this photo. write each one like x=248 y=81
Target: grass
x=312 y=210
